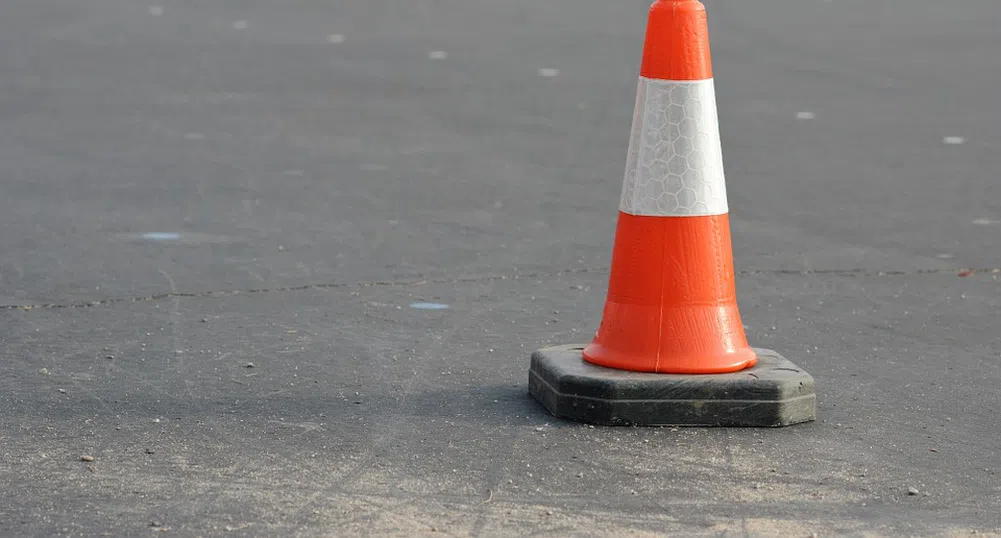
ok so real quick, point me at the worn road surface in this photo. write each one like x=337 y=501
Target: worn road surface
x=277 y=268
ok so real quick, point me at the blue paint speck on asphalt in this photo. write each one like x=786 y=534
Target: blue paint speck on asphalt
x=429 y=306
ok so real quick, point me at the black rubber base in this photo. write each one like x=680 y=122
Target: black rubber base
x=775 y=392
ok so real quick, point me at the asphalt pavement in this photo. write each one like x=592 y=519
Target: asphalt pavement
x=277 y=268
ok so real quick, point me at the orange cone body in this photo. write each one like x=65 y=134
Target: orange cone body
x=671 y=304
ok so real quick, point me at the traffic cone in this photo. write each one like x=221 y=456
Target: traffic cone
x=671 y=347
x=672 y=304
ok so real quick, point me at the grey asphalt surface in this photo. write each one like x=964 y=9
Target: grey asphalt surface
x=308 y=189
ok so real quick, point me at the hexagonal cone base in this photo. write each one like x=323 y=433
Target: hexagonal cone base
x=773 y=393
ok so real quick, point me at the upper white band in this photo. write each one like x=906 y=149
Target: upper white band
x=675 y=165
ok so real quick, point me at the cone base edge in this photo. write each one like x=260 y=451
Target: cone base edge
x=773 y=393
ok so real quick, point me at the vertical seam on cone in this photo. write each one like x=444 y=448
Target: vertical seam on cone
x=660 y=278
x=660 y=311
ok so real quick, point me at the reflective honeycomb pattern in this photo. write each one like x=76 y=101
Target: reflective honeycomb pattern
x=675 y=166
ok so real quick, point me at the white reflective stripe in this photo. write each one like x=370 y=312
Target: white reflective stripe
x=675 y=166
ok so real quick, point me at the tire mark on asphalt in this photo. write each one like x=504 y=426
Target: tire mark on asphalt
x=173 y=318
x=586 y=144
x=393 y=427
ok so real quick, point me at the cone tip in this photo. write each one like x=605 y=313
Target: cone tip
x=677 y=41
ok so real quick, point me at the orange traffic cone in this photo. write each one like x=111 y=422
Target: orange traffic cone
x=671 y=309
x=671 y=303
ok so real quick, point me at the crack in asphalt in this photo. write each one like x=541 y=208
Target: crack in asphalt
x=515 y=275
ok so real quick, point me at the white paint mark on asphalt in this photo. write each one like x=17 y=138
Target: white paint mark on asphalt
x=194 y=136
x=986 y=222
x=805 y=115
x=161 y=236
x=953 y=140
x=156 y=11
x=548 y=72
x=437 y=55
x=945 y=256
x=296 y=173
x=429 y=306
x=335 y=38
x=240 y=25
